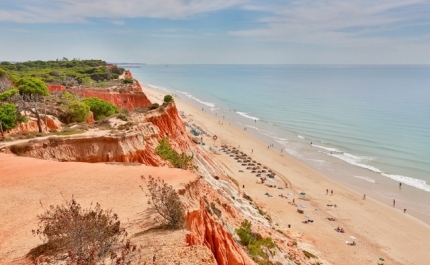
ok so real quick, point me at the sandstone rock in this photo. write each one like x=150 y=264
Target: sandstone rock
x=206 y=231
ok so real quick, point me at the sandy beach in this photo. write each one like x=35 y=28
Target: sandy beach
x=379 y=230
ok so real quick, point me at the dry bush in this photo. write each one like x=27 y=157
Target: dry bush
x=73 y=235
x=166 y=202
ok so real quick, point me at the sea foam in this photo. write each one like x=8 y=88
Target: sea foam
x=327 y=148
x=209 y=104
x=244 y=114
x=158 y=87
x=417 y=183
x=356 y=161
x=368 y=179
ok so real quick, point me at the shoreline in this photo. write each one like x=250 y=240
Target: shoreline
x=382 y=189
x=376 y=226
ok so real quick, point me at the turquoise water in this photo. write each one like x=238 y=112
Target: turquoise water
x=371 y=122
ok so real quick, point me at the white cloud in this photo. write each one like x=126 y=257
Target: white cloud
x=338 y=22
x=27 y=11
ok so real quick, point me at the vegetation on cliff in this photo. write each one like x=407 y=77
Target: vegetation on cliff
x=100 y=107
x=258 y=247
x=82 y=236
x=64 y=71
x=165 y=151
x=165 y=200
x=25 y=94
x=167 y=98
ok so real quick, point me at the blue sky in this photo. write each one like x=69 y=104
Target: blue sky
x=218 y=31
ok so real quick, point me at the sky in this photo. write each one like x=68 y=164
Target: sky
x=217 y=31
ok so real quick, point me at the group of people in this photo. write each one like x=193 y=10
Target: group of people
x=340 y=230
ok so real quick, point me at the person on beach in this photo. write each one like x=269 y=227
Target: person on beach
x=394 y=203
x=404 y=210
x=332 y=192
x=400 y=185
x=364 y=196
x=252 y=150
x=326 y=192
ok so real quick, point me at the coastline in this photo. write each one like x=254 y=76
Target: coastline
x=376 y=226
x=369 y=154
x=359 y=179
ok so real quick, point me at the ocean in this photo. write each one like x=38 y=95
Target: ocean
x=369 y=125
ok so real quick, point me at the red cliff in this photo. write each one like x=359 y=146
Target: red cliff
x=128 y=98
x=208 y=232
x=171 y=126
x=134 y=146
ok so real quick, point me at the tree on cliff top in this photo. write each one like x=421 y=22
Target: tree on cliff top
x=168 y=98
x=7 y=117
x=77 y=110
x=31 y=91
x=100 y=107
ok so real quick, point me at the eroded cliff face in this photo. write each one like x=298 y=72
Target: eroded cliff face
x=167 y=119
x=47 y=122
x=130 y=97
x=208 y=232
x=122 y=147
x=134 y=146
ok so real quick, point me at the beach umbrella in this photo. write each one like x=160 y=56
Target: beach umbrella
x=303 y=193
x=330 y=200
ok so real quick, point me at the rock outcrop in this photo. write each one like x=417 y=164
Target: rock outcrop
x=134 y=146
x=167 y=119
x=47 y=122
x=208 y=232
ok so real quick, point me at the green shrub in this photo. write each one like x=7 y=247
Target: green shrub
x=68 y=97
x=79 y=111
x=165 y=151
x=256 y=244
x=127 y=81
x=100 y=107
x=168 y=98
x=154 y=106
x=8 y=117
